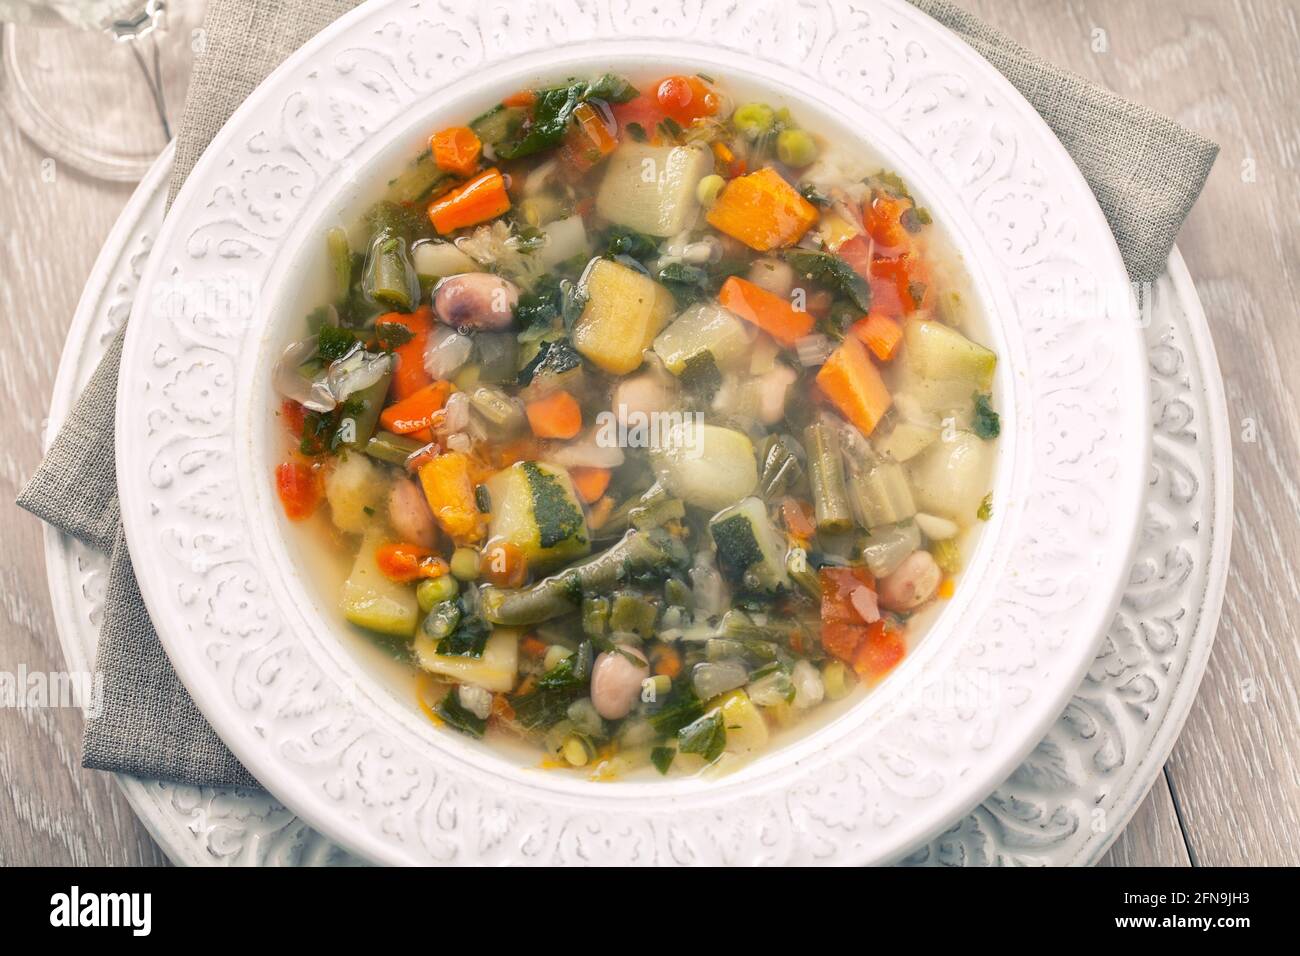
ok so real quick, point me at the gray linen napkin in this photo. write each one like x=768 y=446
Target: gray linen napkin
x=1145 y=170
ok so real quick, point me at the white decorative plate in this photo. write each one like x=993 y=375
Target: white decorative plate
x=1067 y=802
x=334 y=743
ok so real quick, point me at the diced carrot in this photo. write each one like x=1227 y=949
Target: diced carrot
x=879 y=652
x=503 y=564
x=410 y=376
x=588 y=140
x=879 y=333
x=686 y=98
x=532 y=647
x=797 y=518
x=456 y=149
x=665 y=660
x=590 y=482
x=450 y=491
x=501 y=709
x=524 y=98
x=947 y=588
x=555 y=416
x=763 y=211
x=409 y=562
x=854 y=386
x=771 y=313
x=416 y=411
x=299 y=486
x=482 y=198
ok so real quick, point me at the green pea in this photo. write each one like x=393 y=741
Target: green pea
x=753 y=119
x=434 y=591
x=794 y=147
x=464 y=564
x=707 y=190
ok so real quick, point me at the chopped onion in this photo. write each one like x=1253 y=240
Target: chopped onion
x=313 y=394
x=459 y=442
x=813 y=349
x=585 y=452
x=539 y=177
x=864 y=602
x=456 y=412
x=936 y=528
x=709 y=589
x=446 y=352
x=808 y=687
x=357 y=371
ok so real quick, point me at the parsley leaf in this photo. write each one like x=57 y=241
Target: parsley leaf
x=833 y=271
x=459 y=717
x=706 y=736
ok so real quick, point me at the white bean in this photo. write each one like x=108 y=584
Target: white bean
x=911 y=584
x=616 y=681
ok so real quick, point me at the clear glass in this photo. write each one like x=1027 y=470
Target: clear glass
x=98 y=84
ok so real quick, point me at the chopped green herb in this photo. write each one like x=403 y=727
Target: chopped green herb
x=459 y=717
x=986 y=423
x=636 y=131
x=392 y=335
x=332 y=342
x=985 y=511
x=662 y=758
x=830 y=269
x=706 y=736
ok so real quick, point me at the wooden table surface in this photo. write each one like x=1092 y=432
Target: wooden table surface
x=1230 y=793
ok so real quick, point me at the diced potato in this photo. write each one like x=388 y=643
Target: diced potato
x=651 y=189
x=906 y=440
x=370 y=600
x=565 y=239
x=625 y=311
x=746 y=728
x=495 y=670
x=938 y=351
x=950 y=478
x=535 y=508
x=705 y=465
x=353 y=485
x=704 y=327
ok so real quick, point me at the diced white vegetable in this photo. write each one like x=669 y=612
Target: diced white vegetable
x=652 y=188
x=565 y=239
x=905 y=441
x=706 y=465
x=938 y=351
x=433 y=258
x=888 y=546
x=355 y=489
x=936 y=528
x=950 y=478
x=644 y=394
x=808 y=687
x=477 y=700
x=494 y=671
x=704 y=327
x=774 y=275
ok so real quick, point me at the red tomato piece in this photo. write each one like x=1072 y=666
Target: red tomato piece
x=299 y=488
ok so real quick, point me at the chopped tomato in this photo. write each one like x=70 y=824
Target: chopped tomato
x=524 y=98
x=880 y=652
x=882 y=215
x=642 y=110
x=843 y=630
x=686 y=98
x=299 y=487
x=409 y=562
x=294 y=415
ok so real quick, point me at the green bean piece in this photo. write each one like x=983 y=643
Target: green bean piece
x=636 y=553
x=390 y=276
x=340 y=262
x=826 y=473
x=418 y=180
x=394 y=449
x=781 y=467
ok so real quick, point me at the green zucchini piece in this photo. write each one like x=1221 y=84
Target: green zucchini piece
x=751 y=555
x=370 y=600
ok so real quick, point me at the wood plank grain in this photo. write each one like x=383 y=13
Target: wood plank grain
x=51 y=810
x=1152 y=837
x=1229 y=70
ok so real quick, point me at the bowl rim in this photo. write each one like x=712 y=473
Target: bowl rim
x=213 y=704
